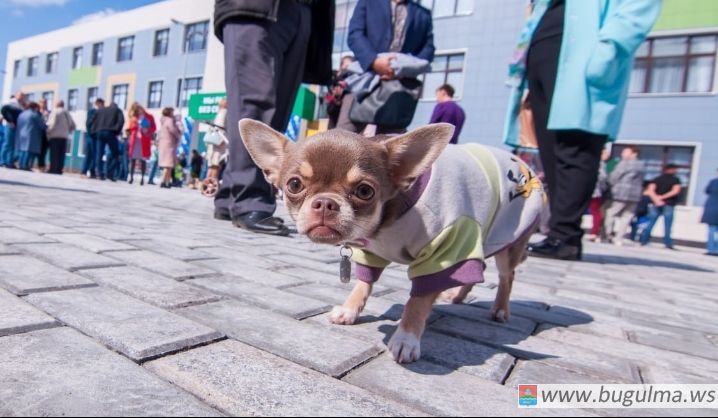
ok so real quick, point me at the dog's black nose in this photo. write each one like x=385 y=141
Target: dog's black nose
x=325 y=204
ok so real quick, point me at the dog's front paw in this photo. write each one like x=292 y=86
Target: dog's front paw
x=501 y=314
x=343 y=316
x=405 y=347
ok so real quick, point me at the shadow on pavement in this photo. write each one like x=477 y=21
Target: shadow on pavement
x=65 y=189
x=480 y=340
x=618 y=259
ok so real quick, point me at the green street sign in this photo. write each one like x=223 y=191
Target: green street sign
x=205 y=106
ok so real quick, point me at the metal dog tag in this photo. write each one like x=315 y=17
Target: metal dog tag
x=345 y=266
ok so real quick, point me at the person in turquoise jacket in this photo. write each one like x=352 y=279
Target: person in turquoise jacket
x=572 y=68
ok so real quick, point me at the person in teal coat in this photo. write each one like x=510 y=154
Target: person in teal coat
x=572 y=68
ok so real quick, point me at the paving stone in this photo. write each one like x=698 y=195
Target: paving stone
x=244 y=381
x=134 y=328
x=299 y=261
x=17 y=316
x=91 y=242
x=68 y=257
x=304 y=343
x=252 y=272
x=635 y=352
x=7 y=250
x=60 y=372
x=22 y=275
x=465 y=356
x=108 y=232
x=170 y=250
x=532 y=372
x=492 y=335
x=265 y=297
x=436 y=390
x=369 y=328
x=700 y=348
x=10 y=235
x=151 y=287
x=481 y=315
x=170 y=267
x=336 y=295
x=40 y=227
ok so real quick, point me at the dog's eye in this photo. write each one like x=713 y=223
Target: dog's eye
x=364 y=192
x=295 y=186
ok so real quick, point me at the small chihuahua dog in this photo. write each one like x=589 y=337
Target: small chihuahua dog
x=410 y=199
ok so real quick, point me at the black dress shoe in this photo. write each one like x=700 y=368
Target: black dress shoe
x=555 y=249
x=261 y=223
x=221 y=215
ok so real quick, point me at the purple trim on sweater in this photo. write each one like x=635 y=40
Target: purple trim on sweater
x=409 y=199
x=463 y=273
x=368 y=274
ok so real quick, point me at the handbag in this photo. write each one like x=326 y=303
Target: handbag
x=214 y=137
x=390 y=104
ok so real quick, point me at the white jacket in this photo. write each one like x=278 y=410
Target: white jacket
x=60 y=124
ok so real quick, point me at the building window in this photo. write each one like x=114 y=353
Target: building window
x=679 y=64
x=124 y=48
x=49 y=97
x=91 y=97
x=77 y=58
x=119 y=95
x=195 y=37
x=16 y=69
x=657 y=157
x=446 y=69
x=73 y=97
x=154 y=99
x=162 y=42
x=443 y=8
x=97 y=50
x=32 y=64
x=30 y=97
x=51 y=63
x=187 y=89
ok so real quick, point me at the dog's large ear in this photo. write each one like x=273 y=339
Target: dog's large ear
x=411 y=154
x=267 y=147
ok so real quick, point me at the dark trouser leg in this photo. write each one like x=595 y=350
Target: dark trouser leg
x=44 y=148
x=100 y=145
x=570 y=158
x=263 y=66
x=132 y=170
x=58 y=146
x=89 y=164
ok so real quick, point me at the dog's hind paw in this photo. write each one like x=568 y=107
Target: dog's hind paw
x=343 y=316
x=405 y=347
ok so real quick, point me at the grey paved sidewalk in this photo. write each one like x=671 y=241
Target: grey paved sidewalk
x=123 y=300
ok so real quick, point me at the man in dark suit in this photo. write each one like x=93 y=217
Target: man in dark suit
x=379 y=26
x=270 y=47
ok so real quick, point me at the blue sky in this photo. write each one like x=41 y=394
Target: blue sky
x=22 y=18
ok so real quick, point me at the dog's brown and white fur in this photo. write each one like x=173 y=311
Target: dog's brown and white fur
x=340 y=186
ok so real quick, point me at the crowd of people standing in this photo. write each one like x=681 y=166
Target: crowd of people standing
x=115 y=146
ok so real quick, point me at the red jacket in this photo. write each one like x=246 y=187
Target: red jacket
x=145 y=136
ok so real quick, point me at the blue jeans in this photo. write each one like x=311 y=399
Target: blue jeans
x=90 y=155
x=27 y=160
x=123 y=169
x=653 y=214
x=106 y=139
x=7 y=153
x=153 y=171
x=713 y=239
